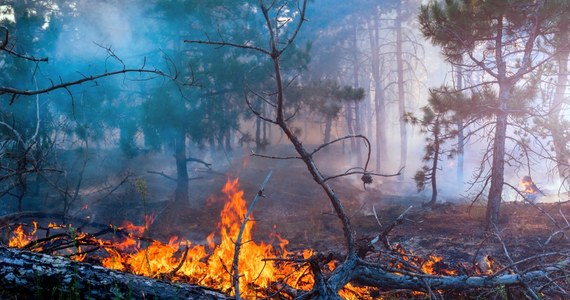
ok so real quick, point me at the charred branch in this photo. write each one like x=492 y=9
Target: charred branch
x=369 y=274
x=383 y=236
x=238 y=242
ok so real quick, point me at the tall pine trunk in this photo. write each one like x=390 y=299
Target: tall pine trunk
x=380 y=110
x=379 y=97
x=434 y=166
x=401 y=94
x=181 y=192
x=460 y=136
x=328 y=128
x=258 y=135
x=560 y=145
x=358 y=129
x=498 y=164
x=357 y=114
x=349 y=115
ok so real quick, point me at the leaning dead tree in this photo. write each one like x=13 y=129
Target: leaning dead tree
x=354 y=267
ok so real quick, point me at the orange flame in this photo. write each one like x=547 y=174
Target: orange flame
x=435 y=266
x=528 y=185
x=215 y=269
x=21 y=238
x=212 y=264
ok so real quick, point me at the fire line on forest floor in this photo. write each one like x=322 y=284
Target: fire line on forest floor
x=208 y=265
x=265 y=268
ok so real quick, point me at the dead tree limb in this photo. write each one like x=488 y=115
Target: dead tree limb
x=4 y=47
x=13 y=218
x=31 y=275
x=235 y=262
x=64 y=85
x=172 y=178
x=383 y=236
x=163 y=175
x=374 y=275
x=197 y=160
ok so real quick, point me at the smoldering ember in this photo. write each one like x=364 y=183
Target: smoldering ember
x=284 y=149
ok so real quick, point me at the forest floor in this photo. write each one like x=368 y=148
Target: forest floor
x=297 y=209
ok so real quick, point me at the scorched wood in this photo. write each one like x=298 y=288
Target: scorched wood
x=34 y=275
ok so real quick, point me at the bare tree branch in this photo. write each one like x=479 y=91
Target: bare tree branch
x=64 y=85
x=235 y=263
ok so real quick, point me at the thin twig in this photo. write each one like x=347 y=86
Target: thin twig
x=376 y=216
x=182 y=260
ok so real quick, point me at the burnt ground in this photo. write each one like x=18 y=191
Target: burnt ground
x=297 y=209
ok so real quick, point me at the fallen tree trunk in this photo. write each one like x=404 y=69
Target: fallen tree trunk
x=34 y=276
x=373 y=275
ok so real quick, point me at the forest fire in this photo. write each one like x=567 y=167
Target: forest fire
x=22 y=238
x=263 y=268
x=209 y=265
x=530 y=191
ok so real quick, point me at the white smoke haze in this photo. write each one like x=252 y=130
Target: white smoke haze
x=102 y=25
x=81 y=47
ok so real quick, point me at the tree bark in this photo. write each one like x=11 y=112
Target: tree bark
x=258 y=135
x=379 y=97
x=349 y=115
x=401 y=94
x=181 y=192
x=357 y=105
x=460 y=137
x=434 y=166
x=498 y=164
x=328 y=128
x=30 y=275
x=560 y=146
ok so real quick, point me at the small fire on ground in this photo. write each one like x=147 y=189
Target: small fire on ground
x=530 y=190
x=264 y=268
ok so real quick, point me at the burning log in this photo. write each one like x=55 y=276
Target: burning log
x=31 y=275
x=373 y=275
